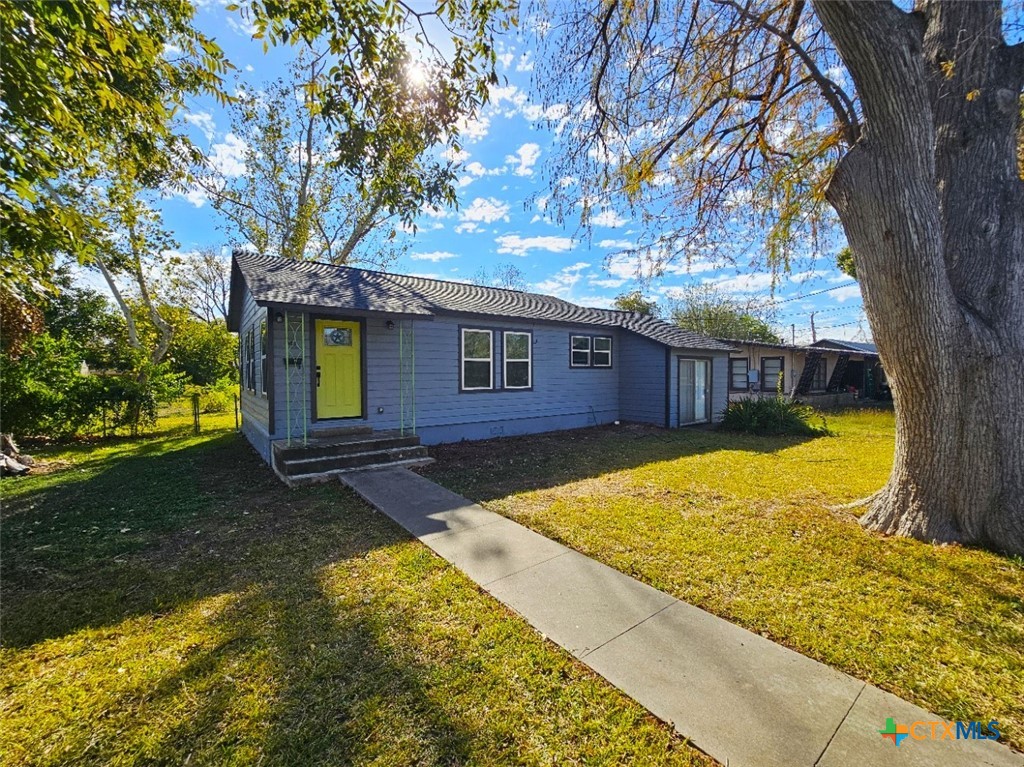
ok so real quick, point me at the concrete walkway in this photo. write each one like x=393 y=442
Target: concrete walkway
x=737 y=696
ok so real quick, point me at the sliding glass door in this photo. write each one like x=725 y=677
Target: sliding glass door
x=694 y=391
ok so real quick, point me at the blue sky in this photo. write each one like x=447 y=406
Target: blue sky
x=501 y=217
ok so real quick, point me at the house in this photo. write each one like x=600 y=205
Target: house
x=827 y=372
x=331 y=353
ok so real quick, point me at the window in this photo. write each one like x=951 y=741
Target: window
x=579 y=352
x=477 y=360
x=820 y=375
x=250 y=359
x=518 y=360
x=590 y=351
x=738 y=370
x=771 y=373
x=263 y=357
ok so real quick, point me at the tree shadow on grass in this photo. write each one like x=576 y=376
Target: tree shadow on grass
x=495 y=468
x=272 y=664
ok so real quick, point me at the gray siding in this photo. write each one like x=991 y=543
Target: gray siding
x=719 y=382
x=641 y=380
x=254 y=407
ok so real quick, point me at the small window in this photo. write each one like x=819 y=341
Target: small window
x=250 y=359
x=738 y=370
x=477 y=360
x=263 y=357
x=518 y=360
x=579 y=353
x=820 y=375
x=602 y=352
x=771 y=373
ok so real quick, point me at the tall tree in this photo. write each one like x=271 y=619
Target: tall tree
x=705 y=309
x=508 y=276
x=721 y=117
x=634 y=301
x=201 y=282
x=395 y=80
x=295 y=200
x=76 y=76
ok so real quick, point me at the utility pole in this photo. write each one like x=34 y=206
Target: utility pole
x=792 y=334
x=814 y=333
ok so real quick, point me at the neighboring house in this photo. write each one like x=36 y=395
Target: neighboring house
x=326 y=346
x=828 y=371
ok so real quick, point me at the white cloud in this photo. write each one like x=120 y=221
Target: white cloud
x=526 y=156
x=600 y=302
x=542 y=201
x=507 y=99
x=478 y=170
x=204 y=122
x=435 y=212
x=249 y=68
x=435 y=256
x=456 y=156
x=228 y=157
x=845 y=294
x=554 y=112
x=608 y=218
x=521 y=246
x=473 y=128
x=506 y=59
x=608 y=283
x=563 y=281
x=743 y=283
x=243 y=26
x=464 y=181
x=467 y=228
x=617 y=244
x=485 y=210
x=525 y=63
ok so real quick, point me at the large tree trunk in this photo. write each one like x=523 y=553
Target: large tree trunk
x=933 y=207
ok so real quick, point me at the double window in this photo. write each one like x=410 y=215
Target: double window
x=590 y=351
x=738 y=372
x=477 y=359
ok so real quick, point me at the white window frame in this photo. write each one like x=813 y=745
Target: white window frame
x=264 y=337
x=528 y=360
x=463 y=359
x=573 y=350
x=594 y=351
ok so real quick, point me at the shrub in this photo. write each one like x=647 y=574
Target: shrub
x=770 y=416
x=218 y=398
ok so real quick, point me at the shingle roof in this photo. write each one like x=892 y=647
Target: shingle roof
x=308 y=283
x=857 y=346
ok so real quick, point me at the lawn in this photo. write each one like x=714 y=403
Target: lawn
x=168 y=601
x=746 y=528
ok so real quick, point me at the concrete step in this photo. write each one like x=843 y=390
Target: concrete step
x=298 y=480
x=344 y=445
x=340 y=431
x=315 y=464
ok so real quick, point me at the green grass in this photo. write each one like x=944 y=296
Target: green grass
x=744 y=527
x=168 y=601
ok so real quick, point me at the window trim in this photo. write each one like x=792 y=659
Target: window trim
x=263 y=357
x=573 y=350
x=594 y=351
x=782 y=375
x=505 y=359
x=591 y=365
x=463 y=360
x=822 y=365
x=746 y=374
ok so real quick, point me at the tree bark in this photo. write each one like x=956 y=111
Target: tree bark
x=933 y=207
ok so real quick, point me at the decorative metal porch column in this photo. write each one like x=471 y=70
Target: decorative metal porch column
x=407 y=377
x=296 y=378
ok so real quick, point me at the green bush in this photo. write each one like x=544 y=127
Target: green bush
x=771 y=416
x=218 y=398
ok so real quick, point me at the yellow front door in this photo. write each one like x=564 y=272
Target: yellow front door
x=339 y=370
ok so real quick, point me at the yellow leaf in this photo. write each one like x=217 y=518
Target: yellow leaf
x=972 y=95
